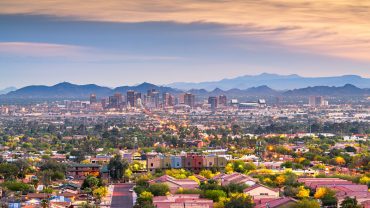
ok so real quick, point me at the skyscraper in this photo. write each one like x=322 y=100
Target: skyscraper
x=104 y=102
x=167 y=99
x=93 y=98
x=152 y=99
x=131 y=98
x=316 y=101
x=222 y=100
x=116 y=100
x=189 y=99
x=213 y=102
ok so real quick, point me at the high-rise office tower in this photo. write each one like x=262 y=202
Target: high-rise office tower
x=131 y=98
x=116 y=100
x=93 y=98
x=104 y=102
x=189 y=99
x=213 y=102
x=222 y=100
x=167 y=99
x=316 y=101
x=152 y=99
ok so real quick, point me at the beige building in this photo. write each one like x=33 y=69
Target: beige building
x=259 y=191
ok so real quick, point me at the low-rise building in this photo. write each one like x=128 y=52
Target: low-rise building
x=81 y=171
x=259 y=191
x=182 y=201
x=234 y=178
x=175 y=184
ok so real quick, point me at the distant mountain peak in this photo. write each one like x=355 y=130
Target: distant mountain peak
x=346 y=90
x=7 y=90
x=64 y=84
x=350 y=86
x=146 y=84
x=276 y=81
x=217 y=90
x=262 y=87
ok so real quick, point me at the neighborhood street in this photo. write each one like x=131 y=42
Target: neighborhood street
x=122 y=197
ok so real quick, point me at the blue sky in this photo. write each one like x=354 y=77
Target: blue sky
x=162 y=46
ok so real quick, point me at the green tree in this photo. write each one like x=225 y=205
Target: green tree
x=206 y=173
x=45 y=176
x=9 y=171
x=44 y=203
x=90 y=182
x=100 y=192
x=350 y=203
x=18 y=186
x=327 y=196
x=23 y=167
x=307 y=203
x=215 y=195
x=79 y=155
x=117 y=167
x=158 y=189
x=234 y=188
x=145 y=199
x=239 y=201
x=53 y=165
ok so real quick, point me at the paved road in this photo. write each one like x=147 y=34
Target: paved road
x=122 y=197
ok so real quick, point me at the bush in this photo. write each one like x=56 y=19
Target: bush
x=234 y=188
x=159 y=189
x=100 y=192
x=145 y=200
x=18 y=186
x=178 y=173
x=239 y=200
x=206 y=173
x=189 y=191
x=306 y=203
x=210 y=185
x=215 y=195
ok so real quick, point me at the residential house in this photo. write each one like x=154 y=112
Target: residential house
x=236 y=178
x=209 y=161
x=175 y=184
x=221 y=162
x=343 y=188
x=259 y=191
x=196 y=161
x=176 y=161
x=153 y=161
x=80 y=171
x=182 y=201
x=282 y=202
x=166 y=162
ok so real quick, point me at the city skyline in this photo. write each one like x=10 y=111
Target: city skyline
x=119 y=43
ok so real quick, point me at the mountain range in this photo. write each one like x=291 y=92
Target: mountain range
x=7 y=90
x=275 y=81
x=67 y=90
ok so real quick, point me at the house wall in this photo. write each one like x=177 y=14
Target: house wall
x=176 y=162
x=166 y=162
x=262 y=192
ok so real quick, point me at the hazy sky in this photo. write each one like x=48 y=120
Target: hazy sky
x=118 y=42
